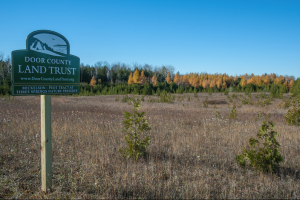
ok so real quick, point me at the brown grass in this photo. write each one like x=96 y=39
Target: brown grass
x=191 y=155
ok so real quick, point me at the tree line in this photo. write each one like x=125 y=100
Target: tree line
x=140 y=81
x=120 y=78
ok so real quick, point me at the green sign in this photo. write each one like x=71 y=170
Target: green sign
x=45 y=67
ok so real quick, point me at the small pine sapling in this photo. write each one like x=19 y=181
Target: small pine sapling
x=189 y=98
x=232 y=114
x=134 y=125
x=287 y=103
x=226 y=92
x=262 y=153
x=125 y=98
x=293 y=116
x=218 y=114
x=205 y=104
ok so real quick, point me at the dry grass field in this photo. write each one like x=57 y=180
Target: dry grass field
x=191 y=154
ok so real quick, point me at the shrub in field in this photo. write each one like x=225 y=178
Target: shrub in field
x=166 y=97
x=205 y=103
x=248 y=91
x=274 y=90
x=285 y=103
x=247 y=101
x=226 y=92
x=293 y=116
x=259 y=103
x=152 y=100
x=264 y=95
x=189 y=98
x=125 y=98
x=267 y=101
x=231 y=89
x=232 y=114
x=262 y=153
x=295 y=90
x=218 y=114
x=249 y=95
x=134 y=125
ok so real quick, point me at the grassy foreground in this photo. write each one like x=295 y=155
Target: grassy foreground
x=191 y=154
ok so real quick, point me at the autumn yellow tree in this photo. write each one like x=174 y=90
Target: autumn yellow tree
x=272 y=77
x=219 y=83
x=194 y=80
x=200 y=82
x=279 y=80
x=130 y=79
x=168 y=79
x=250 y=81
x=235 y=80
x=143 y=78
x=136 y=76
x=224 y=78
x=185 y=80
x=154 y=80
x=205 y=84
x=291 y=84
x=176 y=79
x=266 y=80
x=212 y=84
x=93 y=82
x=259 y=80
x=243 y=82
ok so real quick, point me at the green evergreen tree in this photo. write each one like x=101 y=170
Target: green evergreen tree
x=135 y=124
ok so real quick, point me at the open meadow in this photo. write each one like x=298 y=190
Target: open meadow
x=191 y=154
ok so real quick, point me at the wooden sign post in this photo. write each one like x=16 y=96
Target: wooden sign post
x=44 y=68
x=46 y=145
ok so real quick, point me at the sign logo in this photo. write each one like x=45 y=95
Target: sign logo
x=45 y=67
x=49 y=44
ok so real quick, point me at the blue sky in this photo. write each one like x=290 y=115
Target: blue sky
x=227 y=36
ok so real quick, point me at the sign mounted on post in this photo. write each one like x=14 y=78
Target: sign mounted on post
x=45 y=67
